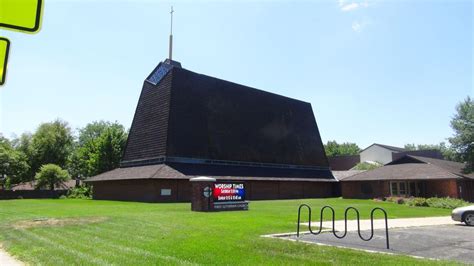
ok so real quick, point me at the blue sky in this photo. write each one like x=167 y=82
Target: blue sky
x=374 y=71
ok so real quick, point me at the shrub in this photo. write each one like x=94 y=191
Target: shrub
x=367 y=166
x=398 y=200
x=51 y=175
x=416 y=202
x=80 y=192
x=446 y=203
x=389 y=199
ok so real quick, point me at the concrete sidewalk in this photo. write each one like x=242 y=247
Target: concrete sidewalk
x=7 y=260
x=430 y=237
x=380 y=223
x=447 y=242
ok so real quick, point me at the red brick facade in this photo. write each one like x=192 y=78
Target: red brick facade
x=149 y=190
x=354 y=189
x=378 y=189
x=442 y=188
x=146 y=190
x=467 y=189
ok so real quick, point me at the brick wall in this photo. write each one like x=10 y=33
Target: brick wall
x=365 y=189
x=442 y=188
x=31 y=194
x=467 y=189
x=434 y=188
x=143 y=190
x=150 y=190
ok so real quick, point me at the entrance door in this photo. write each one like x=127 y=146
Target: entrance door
x=417 y=188
x=413 y=189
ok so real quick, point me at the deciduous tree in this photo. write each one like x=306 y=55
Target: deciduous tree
x=447 y=152
x=100 y=148
x=333 y=148
x=13 y=164
x=367 y=166
x=463 y=126
x=51 y=175
x=51 y=143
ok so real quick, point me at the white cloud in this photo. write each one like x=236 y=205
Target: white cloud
x=359 y=26
x=350 y=7
x=356 y=26
x=345 y=6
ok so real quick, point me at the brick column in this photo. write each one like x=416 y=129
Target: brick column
x=201 y=194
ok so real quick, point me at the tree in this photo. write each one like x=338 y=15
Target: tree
x=333 y=148
x=367 y=166
x=51 y=143
x=410 y=147
x=100 y=148
x=23 y=144
x=463 y=140
x=13 y=164
x=447 y=152
x=93 y=131
x=111 y=146
x=51 y=175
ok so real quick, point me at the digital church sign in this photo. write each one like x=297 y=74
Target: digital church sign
x=228 y=192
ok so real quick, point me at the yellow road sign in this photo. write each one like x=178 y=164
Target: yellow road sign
x=4 y=48
x=22 y=15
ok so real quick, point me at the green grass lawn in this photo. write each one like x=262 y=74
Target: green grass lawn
x=130 y=233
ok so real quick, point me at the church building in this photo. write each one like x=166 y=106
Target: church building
x=188 y=124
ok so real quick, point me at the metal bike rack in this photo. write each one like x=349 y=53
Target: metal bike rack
x=345 y=222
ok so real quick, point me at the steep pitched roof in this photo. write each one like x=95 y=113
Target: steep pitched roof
x=187 y=124
x=344 y=162
x=185 y=114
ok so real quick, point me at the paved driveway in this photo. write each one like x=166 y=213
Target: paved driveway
x=380 y=223
x=451 y=242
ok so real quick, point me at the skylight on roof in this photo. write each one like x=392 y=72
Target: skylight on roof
x=159 y=73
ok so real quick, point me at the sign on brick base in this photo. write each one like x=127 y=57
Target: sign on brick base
x=208 y=195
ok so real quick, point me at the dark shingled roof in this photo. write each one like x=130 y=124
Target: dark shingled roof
x=190 y=115
x=187 y=124
x=450 y=166
x=414 y=168
x=341 y=175
x=223 y=172
x=31 y=185
x=343 y=162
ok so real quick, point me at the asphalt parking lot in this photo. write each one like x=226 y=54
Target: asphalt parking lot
x=450 y=242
